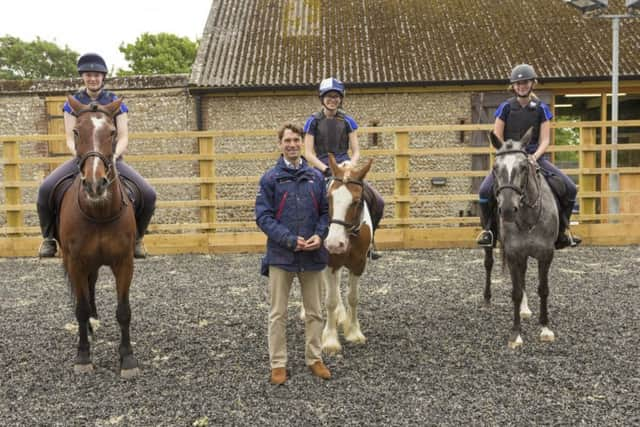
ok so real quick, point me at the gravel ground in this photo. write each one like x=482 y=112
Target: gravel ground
x=435 y=355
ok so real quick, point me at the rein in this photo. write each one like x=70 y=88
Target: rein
x=352 y=229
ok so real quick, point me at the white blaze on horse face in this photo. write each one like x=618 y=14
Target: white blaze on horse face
x=98 y=123
x=337 y=239
x=510 y=163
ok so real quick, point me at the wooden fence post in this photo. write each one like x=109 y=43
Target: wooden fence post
x=401 y=187
x=208 y=214
x=587 y=159
x=13 y=195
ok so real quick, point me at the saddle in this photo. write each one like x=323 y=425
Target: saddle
x=131 y=191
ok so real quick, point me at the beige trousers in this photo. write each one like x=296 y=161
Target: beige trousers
x=279 y=288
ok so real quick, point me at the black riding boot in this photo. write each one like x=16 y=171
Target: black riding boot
x=142 y=222
x=566 y=239
x=485 y=238
x=48 y=246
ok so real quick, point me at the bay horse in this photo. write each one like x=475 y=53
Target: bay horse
x=348 y=241
x=527 y=227
x=97 y=227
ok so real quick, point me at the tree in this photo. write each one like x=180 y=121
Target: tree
x=161 y=53
x=38 y=59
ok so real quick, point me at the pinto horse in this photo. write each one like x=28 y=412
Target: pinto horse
x=348 y=241
x=527 y=227
x=97 y=227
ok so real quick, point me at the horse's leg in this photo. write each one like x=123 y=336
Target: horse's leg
x=93 y=310
x=525 y=312
x=341 y=313
x=330 y=342
x=123 y=273
x=80 y=285
x=518 y=270
x=488 y=266
x=351 y=324
x=546 y=334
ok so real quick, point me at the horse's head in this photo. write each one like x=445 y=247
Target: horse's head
x=345 y=204
x=95 y=136
x=511 y=173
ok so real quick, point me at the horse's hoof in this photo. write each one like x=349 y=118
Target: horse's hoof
x=129 y=373
x=331 y=347
x=356 y=338
x=547 y=335
x=85 y=368
x=525 y=314
x=515 y=343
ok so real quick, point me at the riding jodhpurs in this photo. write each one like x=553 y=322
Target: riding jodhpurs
x=144 y=208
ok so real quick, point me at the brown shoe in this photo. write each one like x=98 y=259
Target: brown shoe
x=320 y=370
x=278 y=376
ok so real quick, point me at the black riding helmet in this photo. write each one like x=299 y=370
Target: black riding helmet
x=522 y=72
x=92 y=62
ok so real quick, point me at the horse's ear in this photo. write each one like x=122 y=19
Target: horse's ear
x=364 y=170
x=495 y=140
x=75 y=104
x=526 y=139
x=114 y=106
x=332 y=164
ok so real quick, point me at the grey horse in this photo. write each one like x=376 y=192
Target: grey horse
x=527 y=227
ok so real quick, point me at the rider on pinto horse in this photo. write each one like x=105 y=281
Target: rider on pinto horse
x=331 y=130
x=93 y=70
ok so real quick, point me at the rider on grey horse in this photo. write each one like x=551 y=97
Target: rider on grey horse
x=513 y=118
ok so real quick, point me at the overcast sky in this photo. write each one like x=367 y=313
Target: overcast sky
x=100 y=26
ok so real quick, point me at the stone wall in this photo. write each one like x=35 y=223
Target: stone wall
x=163 y=103
x=259 y=112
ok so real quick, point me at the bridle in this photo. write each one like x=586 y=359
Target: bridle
x=521 y=191
x=352 y=229
x=94 y=107
x=110 y=174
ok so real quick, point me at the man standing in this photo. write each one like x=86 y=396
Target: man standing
x=292 y=210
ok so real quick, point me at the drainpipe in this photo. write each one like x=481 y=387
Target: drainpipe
x=198 y=105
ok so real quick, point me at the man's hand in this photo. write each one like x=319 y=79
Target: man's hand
x=313 y=243
x=301 y=244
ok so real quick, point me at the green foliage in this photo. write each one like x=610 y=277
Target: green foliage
x=38 y=59
x=161 y=53
x=567 y=136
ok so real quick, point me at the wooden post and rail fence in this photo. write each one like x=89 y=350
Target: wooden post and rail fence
x=399 y=229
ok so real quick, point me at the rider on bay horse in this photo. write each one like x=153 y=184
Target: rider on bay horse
x=93 y=70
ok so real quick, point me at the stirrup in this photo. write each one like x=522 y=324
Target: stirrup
x=481 y=241
x=575 y=240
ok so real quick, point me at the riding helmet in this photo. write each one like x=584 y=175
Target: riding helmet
x=331 y=84
x=522 y=72
x=92 y=62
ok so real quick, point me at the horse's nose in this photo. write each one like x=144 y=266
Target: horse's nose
x=335 y=246
x=101 y=187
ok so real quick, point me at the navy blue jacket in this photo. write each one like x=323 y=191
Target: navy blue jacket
x=292 y=203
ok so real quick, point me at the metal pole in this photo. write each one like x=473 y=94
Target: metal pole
x=613 y=176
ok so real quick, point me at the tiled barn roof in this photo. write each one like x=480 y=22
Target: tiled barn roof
x=296 y=43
